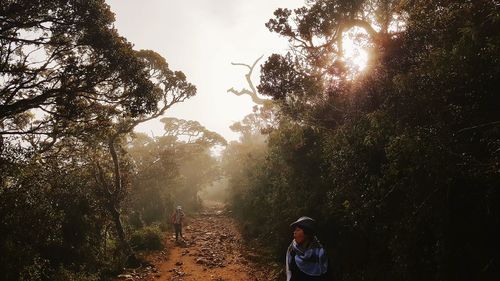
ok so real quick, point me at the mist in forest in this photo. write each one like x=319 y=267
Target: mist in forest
x=210 y=140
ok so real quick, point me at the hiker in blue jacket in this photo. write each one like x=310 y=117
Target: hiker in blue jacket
x=305 y=258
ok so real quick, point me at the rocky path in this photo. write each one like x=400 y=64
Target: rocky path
x=212 y=250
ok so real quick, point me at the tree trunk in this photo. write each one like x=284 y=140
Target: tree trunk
x=115 y=210
x=115 y=213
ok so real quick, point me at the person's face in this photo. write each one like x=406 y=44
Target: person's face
x=299 y=235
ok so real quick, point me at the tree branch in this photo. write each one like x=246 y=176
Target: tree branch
x=253 y=91
x=479 y=126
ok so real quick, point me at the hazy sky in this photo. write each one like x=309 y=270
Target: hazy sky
x=202 y=38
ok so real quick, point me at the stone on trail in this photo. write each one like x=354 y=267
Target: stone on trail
x=202 y=261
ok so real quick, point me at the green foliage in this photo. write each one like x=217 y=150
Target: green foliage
x=399 y=164
x=52 y=223
x=63 y=274
x=147 y=238
x=64 y=58
x=72 y=89
x=171 y=170
x=35 y=271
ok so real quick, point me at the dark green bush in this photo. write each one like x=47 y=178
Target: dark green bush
x=66 y=275
x=147 y=238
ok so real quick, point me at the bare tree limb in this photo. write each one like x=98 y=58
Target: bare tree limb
x=479 y=126
x=253 y=91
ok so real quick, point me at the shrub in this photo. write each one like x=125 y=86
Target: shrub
x=147 y=238
x=66 y=275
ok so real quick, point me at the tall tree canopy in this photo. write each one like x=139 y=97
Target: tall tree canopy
x=62 y=58
x=171 y=169
x=71 y=89
x=398 y=162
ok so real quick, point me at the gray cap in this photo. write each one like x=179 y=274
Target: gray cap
x=304 y=223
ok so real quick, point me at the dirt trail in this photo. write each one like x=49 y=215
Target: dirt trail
x=212 y=250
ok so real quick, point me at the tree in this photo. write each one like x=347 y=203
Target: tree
x=313 y=82
x=63 y=63
x=169 y=88
x=171 y=169
x=399 y=163
x=72 y=89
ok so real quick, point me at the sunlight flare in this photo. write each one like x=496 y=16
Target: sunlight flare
x=355 y=50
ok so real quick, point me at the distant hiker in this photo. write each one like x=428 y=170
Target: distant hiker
x=305 y=258
x=176 y=219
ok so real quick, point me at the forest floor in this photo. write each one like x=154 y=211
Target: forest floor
x=212 y=250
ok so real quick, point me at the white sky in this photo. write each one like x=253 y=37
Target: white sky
x=202 y=38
